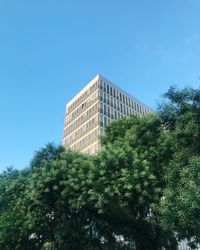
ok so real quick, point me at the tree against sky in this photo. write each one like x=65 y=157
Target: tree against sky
x=139 y=192
x=180 y=206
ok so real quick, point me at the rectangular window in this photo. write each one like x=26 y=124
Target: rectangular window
x=117 y=94
x=104 y=109
x=132 y=104
x=129 y=102
x=101 y=107
x=104 y=86
x=101 y=85
x=108 y=89
x=108 y=111
x=108 y=102
x=111 y=91
x=112 y=115
x=101 y=120
x=118 y=108
x=115 y=103
x=124 y=109
x=111 y=101
x=121 y=107
x=104 y=97
x=101 y=95
x=105 y=121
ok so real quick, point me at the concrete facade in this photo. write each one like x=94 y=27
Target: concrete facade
x=92 y=109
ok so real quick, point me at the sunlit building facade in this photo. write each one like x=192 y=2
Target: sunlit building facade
x=92 y=109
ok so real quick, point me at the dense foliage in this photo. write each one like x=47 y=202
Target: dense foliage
x=180 y=208
x=142 y=191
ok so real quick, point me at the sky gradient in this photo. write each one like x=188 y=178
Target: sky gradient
x=49 y=50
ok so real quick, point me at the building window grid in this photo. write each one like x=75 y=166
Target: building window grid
x=87 y=126
x=125 y=107
x=87 y=93
x=83 y=118
x=92 y=149
x=123 y=110
x=123 y=104
x=83 y=107
x=88 y=139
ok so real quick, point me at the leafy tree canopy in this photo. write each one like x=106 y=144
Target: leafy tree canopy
x=140 y=192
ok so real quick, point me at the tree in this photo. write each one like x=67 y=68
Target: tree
x=48 y=153
x=180 y=206
x=140 y=192
x=104 y=198
x=13 y=230
x=131 y=167
x=54 y=214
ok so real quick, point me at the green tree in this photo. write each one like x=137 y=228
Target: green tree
x=55 y=213
x=180 y=205
x=130 y=180
x=47 y=153
x=13 y=230
x=139 y=192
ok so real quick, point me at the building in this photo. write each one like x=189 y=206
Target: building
x=92 y=109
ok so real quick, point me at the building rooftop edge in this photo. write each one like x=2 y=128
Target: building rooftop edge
x=123 y=91
x=97 y=77
x=83 y=90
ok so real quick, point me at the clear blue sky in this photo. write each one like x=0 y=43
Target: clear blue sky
x=50 y=49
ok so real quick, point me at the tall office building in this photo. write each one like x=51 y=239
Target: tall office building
x=92 y=109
